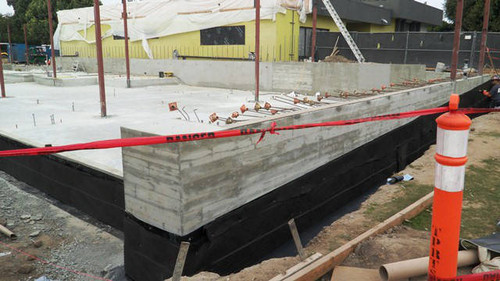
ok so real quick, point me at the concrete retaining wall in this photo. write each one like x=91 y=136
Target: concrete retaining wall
x=17 y=77
x=277 y=76
x=73 y=79
x=181 y=187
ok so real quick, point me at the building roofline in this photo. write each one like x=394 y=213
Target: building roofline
x=410 y=10
x=357 y=11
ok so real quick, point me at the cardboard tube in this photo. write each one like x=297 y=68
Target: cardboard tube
x=7 y=232
x=417 y=267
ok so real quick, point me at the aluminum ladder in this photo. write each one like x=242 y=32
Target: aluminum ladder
x=345 y=33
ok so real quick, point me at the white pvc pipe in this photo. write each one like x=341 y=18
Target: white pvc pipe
x=417 y=267
x=7 y=232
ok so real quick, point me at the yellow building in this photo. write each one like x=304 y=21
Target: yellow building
x=285 y=34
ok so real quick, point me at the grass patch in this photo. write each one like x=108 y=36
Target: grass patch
x=422 y=221
x=481 y=210
x=481 y=199
x=411 y=193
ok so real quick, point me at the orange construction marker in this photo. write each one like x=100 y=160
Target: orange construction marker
x=451 y=156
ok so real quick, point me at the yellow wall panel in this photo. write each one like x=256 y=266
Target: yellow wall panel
x=279 y=41
x=384 y=28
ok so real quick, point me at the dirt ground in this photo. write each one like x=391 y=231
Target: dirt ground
x=73 y=241
x=399 y=243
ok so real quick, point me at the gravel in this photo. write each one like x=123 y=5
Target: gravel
x=59 y=234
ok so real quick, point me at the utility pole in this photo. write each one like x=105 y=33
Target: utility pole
x=484 y=37
x=52 y=50
x=456 y=39
x=100 y=65
x=125 y=29
x=26 y=47
x=314 y=23
x=257 y=49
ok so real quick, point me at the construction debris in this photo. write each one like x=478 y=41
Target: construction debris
x=337 y=58
x=34 y=234
x=5 y=254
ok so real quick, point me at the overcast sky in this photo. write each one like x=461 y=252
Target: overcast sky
x=5 y=9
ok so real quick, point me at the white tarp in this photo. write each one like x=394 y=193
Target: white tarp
x=159 y=18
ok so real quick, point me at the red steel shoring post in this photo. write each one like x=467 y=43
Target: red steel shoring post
x=257 y=49
x=2 y=81
x=456 y=39
x=484 y=37
x=125 y=29
x=52 y=50
x=10 y=43
x=100 y=63
x=314 y=23
x=26 y=51
x=451 y=157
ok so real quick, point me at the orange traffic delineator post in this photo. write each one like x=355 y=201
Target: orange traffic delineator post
x=451 y=156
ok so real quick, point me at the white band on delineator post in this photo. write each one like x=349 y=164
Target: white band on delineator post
x=452 y=143
x=450 y=178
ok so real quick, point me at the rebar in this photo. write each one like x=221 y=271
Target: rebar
x=269 y=106
x=188 y=117
x=195 y=114
x=182 y=114
x=287 y=101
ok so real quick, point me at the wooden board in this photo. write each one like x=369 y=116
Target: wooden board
x=297 y=267
x=344 y=273
x=320 y=267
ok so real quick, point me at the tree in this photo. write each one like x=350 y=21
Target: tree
x=444 y=27
x=34 y=14
x=473 y=14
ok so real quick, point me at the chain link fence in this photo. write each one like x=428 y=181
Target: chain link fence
x=427 y=48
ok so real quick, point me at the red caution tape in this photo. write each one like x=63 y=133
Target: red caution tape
x=53 y=264
x=115 y=143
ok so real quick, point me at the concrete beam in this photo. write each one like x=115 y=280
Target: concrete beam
x=187 y=185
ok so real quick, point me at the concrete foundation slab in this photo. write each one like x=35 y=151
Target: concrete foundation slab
x=28 y=111
x=18 y=76
x=206 y=191
x=204 y=180
x=239 y=237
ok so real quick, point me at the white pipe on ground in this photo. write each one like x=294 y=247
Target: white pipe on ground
x=7 y=232
x=411 y=268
